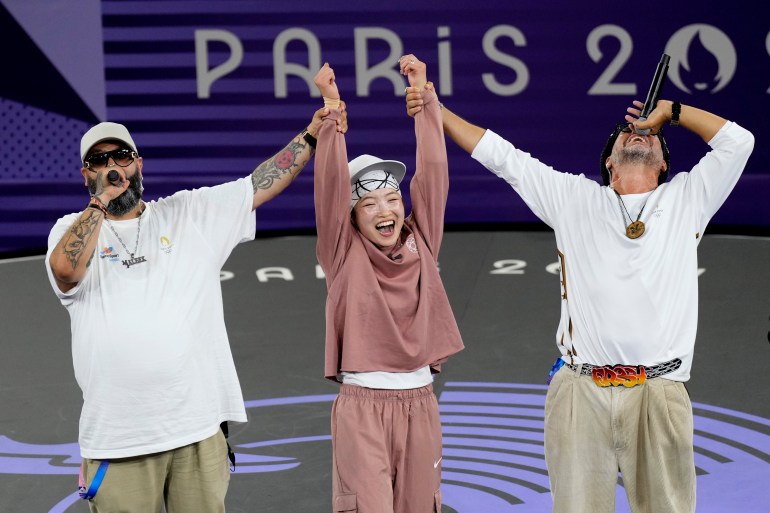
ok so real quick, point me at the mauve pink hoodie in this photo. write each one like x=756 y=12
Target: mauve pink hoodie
x=385 y=312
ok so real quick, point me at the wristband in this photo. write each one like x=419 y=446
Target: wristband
x=332 y=103
x=309 y=139
x=96 y=204
x=676 y=108
x=95 y=207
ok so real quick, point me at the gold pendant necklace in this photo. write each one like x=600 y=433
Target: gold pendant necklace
x=636 y=228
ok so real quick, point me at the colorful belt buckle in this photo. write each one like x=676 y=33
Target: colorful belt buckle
x=617 y=375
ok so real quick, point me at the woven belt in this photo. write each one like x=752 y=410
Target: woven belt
x=625 y=375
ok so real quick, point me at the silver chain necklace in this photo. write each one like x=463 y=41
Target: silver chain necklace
x=133 y=260
x=636 y=228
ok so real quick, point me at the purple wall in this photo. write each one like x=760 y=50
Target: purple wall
x=552 y=77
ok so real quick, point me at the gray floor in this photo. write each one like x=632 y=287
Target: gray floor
x=491 y=395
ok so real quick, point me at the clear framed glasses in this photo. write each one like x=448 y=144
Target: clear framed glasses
x=122 y=157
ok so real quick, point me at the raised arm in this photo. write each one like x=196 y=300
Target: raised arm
x=463 y=133
x=430 y=184
x=466 y=135
x=705 y=124
x=276 y=173
x=331 y=180
x=273 y=175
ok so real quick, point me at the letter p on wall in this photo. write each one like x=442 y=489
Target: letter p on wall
x=203 y=75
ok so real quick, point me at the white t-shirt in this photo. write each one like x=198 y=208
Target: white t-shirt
x=626 y=301
x=149 y=345
x=389 y=380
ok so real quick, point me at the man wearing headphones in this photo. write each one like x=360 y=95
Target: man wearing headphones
x=629 y=288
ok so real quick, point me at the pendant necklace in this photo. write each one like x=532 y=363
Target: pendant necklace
x=133 y=260
x=636 y=228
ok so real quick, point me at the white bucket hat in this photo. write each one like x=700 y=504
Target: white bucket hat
x=369 y=173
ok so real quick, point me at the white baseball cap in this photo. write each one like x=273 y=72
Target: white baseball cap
x=369 y=173
x=103 y=132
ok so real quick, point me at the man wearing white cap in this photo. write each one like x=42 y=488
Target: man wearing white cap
x=141 y=282
x=389 y=325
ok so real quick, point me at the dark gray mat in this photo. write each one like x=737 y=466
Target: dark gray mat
x=491 y=394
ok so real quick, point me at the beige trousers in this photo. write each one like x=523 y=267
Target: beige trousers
x=190 y=479
x=644 y=432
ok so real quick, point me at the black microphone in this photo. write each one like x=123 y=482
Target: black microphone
x=653 y=95
x=114 y=178
x=395 y=258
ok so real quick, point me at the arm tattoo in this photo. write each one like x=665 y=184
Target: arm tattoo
x=285 y=161
x=80 y=233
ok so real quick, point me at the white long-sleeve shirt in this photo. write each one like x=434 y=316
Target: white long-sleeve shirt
x=626 y=301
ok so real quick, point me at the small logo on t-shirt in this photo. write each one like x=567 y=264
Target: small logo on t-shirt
x=411 y=244
x=109 y=253
x=658 y=211
x=165 y=244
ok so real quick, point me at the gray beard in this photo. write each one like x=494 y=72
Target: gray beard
x=635 y=155
x=127 y=201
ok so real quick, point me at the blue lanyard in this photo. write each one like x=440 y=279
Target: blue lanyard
x=95 y=483
x=558 y=364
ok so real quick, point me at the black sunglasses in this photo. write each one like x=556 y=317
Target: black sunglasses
x=121 y=157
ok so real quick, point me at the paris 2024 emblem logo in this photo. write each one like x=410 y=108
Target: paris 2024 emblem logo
x=703 y=59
